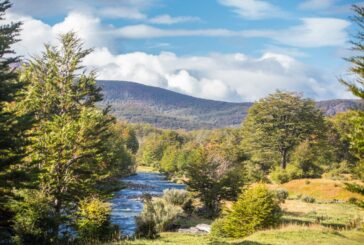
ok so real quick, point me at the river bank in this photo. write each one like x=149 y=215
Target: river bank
x=127 y=203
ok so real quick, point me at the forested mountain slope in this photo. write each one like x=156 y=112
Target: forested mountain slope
x=162 y=108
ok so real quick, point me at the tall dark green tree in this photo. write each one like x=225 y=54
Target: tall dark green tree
x=12 y=126
x=278 y=123
x=356 y=86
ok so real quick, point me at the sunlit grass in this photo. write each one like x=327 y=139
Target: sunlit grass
x=320 y=189
x=328 y=214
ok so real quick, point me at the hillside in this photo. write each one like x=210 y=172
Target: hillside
x=162 y=108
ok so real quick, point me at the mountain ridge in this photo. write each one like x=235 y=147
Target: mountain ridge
x=138 y=103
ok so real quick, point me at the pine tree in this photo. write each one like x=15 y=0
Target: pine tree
x=12 y=126
x=356 y=86
x=70 y=136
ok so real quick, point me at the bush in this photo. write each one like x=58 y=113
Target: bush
x=34 y=218
x=93 y=223
x=217 y=228
x=146 y=224
x=179 y=198
x=157 y=216
x=176 y=197
x=279 y=175
x=282 y=194
x=308 y=199
x=257 y=208
x=352 y=200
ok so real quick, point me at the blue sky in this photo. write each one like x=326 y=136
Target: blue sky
x=233 y=50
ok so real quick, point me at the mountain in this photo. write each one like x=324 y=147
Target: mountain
x=163 y=108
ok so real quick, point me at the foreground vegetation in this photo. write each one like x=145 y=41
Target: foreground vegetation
x=284 y=236
x=61 y=156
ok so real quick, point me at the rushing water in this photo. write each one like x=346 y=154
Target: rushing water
x=127 y=203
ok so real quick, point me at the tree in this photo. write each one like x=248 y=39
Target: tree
x=257 y=208
x=277 y=124
x=211 y=177
x=12 y=125
x=356 y=85
x=70 y=136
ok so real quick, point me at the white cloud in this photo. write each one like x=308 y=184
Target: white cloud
x=254 y=9
x=147 y=31
x=169 y=20
x=231 y=77
x=313 y=32
x=317 y=4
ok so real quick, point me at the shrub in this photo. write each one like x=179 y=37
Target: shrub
x=176 y=197
x=279 y=176
x=217 y=228
x=93 y=223
x=308 y=199
x=282 y=194
x=146 y=224
x=353 y=200
x=34 y=218
x=179 y=198
x=255 y=209
x=157 y=216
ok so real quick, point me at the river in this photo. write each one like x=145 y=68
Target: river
x=127 y=203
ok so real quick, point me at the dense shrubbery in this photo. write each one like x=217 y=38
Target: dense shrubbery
x=160 y=214
x=93 y=221
x=257 y=208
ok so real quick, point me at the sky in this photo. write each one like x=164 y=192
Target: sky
x=230 y=50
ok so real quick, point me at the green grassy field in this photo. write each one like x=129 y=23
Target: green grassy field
x=289 y=235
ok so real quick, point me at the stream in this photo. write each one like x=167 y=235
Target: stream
x=127 y=203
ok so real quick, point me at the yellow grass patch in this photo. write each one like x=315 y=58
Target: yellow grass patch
x=320 y=189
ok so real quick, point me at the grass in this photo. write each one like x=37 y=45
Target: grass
x=337 y=215
x=287 y=235
x=320 y=189
x=305 y=236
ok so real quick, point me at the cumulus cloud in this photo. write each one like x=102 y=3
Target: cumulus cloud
x=36 y=33
x=229 y=77
x=254 y=9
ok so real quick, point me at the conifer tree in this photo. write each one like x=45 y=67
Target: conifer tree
x=69 y=143
x=12 y=126
x=356 y=86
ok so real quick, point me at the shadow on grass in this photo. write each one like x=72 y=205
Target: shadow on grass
x=294 y=221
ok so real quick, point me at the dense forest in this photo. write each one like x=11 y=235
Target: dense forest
x=61 y=157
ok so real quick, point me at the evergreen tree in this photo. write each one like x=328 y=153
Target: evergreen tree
x=257 y=208
x=12 y=126
x=356 y=86
x=70 y=142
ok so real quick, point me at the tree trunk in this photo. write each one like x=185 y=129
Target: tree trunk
x=284 y=159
